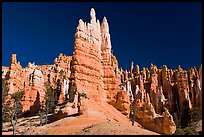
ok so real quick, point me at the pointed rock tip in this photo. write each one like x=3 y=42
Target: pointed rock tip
x=104 y=19
x=92 y=10
x=92 y=13
x=80 y=20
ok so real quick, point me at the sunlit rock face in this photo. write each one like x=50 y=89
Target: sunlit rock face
x=95 y=68
x=86 y=57
x=14 y=75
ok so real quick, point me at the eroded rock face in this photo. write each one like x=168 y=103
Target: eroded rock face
x=110 y=72
x=4 y=71
x=32 y=79
x=122 y=103
x=87 y=51
x=148 y=118
x=200 y=86
x=183 y=88
x=64 y=63
x=93 y=46
x=14 y=75
x=159 y=93
x=167 y=86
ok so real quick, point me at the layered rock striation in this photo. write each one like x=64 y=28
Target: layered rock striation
x=95 y=69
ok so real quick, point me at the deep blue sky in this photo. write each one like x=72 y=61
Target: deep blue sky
x=158 y=33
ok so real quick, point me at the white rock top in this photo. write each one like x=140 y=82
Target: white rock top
x=94 y=32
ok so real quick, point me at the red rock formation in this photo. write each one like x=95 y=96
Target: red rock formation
x=195 y=82
x=148 y=118
x=153 y=86
x=87 y=51
x=32 y=79
x=34 y=89
x=166 y=91
x=4 y=71
x=93 y=46
x=15 y=83
x=64 y=62
x=200 y=86
x=183 y=88
x=167 y=87
x=122 y=103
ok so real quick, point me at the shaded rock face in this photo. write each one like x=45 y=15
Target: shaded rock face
x=167 y=86
x=183 y=89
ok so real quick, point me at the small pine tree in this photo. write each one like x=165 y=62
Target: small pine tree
x=41 y=112
x=49 y=100
x=195 y=115
x=72 y=91
x=160 y=107
x=13 y=109
x=4 y=94
x=132 y=113
x=4 y=89
x=177 y=119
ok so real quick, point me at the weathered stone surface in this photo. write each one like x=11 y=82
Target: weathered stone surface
x=123 y=102
x=31 y=101
x=166 y=90
x=183 y=88
x=147 y=117
x=200 y=86
x=15 y=82
x=153 y=90
x=4 y=71
x=93 y=46
x=64 y=63
x=167 y=87
x=32 y=79
x=87 y=51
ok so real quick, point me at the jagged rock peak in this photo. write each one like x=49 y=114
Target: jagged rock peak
x=200 y=66
x=106 y=40
x=132 y=67
x=104 y=26
x=137 y=69
x=31 y=65
x=81 y=25
x=14 y=62
x=164 y=67
x=179 y=68
x=92 y=16
x=13 y=58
